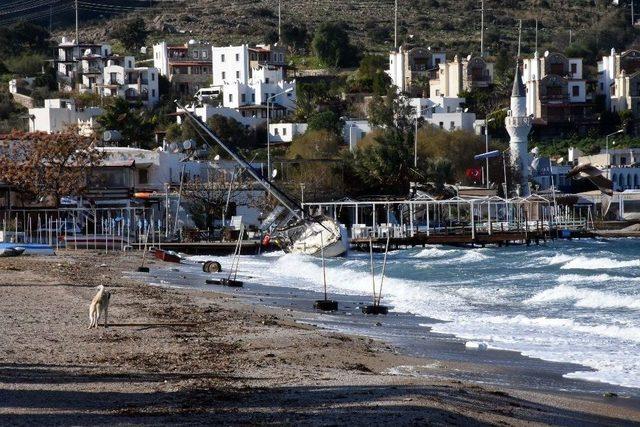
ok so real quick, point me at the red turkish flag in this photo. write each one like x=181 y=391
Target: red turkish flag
x=474 y=174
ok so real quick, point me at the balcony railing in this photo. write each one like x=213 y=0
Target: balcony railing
x=137 y=97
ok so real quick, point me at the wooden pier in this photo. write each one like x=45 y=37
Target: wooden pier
x=505 y=238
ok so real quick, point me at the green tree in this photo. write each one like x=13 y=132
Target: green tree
x=131 y=33
x=295 y=35
x=332 y=46
x=325 y=120
x=231 y=131
x=370 y=76
x=132 y=122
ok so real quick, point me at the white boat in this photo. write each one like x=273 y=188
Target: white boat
x=309 y=238
x=297 y=232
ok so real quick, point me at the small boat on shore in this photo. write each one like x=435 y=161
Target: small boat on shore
x=11 y=252
x=167 y=256
x=27 y=249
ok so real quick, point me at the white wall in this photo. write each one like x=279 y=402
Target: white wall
x=230 y=64
x=58 y=115
x=353 y=131
x=285 y=132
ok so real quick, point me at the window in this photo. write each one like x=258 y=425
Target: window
x=204 y=54
x=130 y=64
x=575 y=90
x=441 y=124
x=623 y=161
x=153 y=93
x=284 y=131
x=253 y=98
x=244 y=98
x=230 y=97
x=452 y=125
x=224 y=75
x=143 y=176
x=222 y=58
x=195 y=54
x=237 y=57
x=574 y=68
x=237 y=74
x=266 y=80
x=153 y=77
x=276 y=132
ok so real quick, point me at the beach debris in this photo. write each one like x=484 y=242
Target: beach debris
x=474 y=345
x=211 y=267
x=610 y=394
x=376 y=308
x=142 y=268
x=324 y=304
x=167 y=256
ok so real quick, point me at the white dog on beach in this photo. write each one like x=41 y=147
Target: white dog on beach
x=99 y=305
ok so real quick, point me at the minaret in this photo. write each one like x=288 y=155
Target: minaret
x=518 y=124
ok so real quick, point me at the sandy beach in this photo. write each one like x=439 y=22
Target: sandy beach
x=192 y=357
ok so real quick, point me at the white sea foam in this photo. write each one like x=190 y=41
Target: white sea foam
x=588 y=298
x=604 y=263
x=434 y=252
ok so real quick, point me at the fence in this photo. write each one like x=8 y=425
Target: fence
x=83 y=228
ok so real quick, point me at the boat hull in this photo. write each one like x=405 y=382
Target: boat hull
x=323 y=236
x=167 y=256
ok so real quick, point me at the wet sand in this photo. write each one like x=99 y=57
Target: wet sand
x=176 y=356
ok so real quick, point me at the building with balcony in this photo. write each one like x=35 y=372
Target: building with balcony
x=411 y=68
x=188 y=66
x=619 y=81
x=557 y=91
x=122 y=78
x=454 y=77
x=239 y=63
x=59 y=115
x=79 y=65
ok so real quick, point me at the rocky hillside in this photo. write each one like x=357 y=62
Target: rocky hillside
x=452 y=24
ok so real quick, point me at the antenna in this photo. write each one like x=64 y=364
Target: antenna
x=279 y=21
x=536 y=35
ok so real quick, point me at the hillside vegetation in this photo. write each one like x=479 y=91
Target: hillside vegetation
x=450 y=24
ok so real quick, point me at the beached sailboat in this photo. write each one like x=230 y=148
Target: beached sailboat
x=296 y=232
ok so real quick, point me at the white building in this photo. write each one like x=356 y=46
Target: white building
x=122 y=78
x=410 y=68
x=454 y=77
x=239 y=63
x=556 y=88
x=354 y=131
x=59 y=115
x=80 y=66
x=246 y=116
x=619 y=81
x=518 y=124
x=285 y=132
x=620 y=165
x=188 y=66
x=444 y=112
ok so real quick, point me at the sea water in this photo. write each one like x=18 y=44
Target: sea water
x=565 y=301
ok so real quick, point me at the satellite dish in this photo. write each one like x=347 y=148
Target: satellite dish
x=560 y=160
x=274 y=173
x=173 y=147
x=217 y=158
x=466 y=110
x=546 y=53
x=188 y=144
x=469 y=57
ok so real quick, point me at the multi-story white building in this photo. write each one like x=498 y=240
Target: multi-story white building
x=410 y=69
x=188 y=66
x=239 y=63
x=122 y=78
x=251 y=82
x=619 y=165
x=59 y=115
x=619 y=81
x=454 y=77
x=556 y=88
x=80 y=65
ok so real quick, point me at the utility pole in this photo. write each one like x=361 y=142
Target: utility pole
x=50 y=17
x=570 y=37
x=395 y=26
x=279 y=21
x=519 y=37
x=632 y=14
x=482 y=29
x=77 y=38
